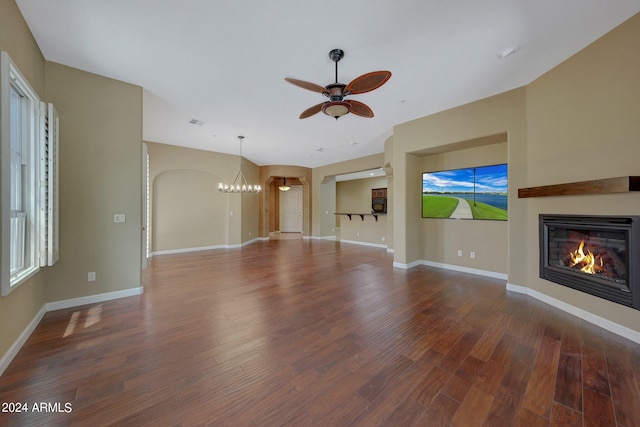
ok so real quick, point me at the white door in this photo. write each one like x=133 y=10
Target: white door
x=291 y=210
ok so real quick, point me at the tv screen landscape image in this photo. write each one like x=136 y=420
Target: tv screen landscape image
x=470 y=193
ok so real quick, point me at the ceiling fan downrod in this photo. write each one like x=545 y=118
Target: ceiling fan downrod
x=336 y=55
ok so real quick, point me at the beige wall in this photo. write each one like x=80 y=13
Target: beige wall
x=354 y=196
x=100 y=175
x=16 y=38
x=454 y=137
x=187 y=210
x=250 y=209
x=326 y=223
x=324 y=191
x=583 y=120
x=388 y=170
x=487 y=239
x=364 y=230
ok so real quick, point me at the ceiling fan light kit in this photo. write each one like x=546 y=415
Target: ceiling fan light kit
x=336 y=109
x=337 y=106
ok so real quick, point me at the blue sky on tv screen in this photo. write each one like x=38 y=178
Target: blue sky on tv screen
x=488 y=179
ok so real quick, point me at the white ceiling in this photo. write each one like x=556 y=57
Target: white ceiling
x=223 y=62
x=366 y=174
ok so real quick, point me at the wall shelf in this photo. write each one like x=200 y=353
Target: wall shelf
x=623 y=184
x=361 y=215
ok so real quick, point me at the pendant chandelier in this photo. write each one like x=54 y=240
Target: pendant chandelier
x=284 y=186
x=239 y=184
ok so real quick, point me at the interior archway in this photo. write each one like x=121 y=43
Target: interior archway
x=272 y=177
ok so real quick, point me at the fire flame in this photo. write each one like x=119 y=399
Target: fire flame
x=585 y=261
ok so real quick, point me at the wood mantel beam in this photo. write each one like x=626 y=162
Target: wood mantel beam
x=621 y=184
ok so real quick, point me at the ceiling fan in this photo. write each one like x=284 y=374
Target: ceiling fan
x=337 y=106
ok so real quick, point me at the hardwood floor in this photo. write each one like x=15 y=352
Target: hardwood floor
x=299 y=332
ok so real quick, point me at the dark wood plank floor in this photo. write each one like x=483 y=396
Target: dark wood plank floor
x=299 y=332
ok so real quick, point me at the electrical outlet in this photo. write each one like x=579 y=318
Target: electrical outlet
x=472 y=254
x=91 y=277
x=459 y=252
x=119 y=218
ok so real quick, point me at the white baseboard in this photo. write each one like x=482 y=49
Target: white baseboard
x=207 y=248
x=187 y=250
x=610 y=326
x=407 y=266
x=58 y=305
x=92 y=299
x=476 y=271
x=356 y=242
x=17 y=345
x=332 y=237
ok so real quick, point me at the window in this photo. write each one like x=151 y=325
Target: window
x=28 y=158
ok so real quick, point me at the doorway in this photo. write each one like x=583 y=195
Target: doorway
x=291 y=210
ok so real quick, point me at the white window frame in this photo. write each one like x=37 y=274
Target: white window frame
x=10 y=77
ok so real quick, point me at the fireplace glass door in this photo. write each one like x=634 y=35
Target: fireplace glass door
x=592 y=254
x=600 y=254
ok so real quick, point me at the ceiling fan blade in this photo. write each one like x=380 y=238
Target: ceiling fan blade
x=367 y=82
x=360 y=109
x=306 y=85
x=311 y=111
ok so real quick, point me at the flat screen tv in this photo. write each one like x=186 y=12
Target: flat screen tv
x=470 y=193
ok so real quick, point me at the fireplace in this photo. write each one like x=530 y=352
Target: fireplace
x=598 y=255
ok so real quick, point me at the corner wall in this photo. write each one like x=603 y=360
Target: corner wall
x=100 y=175
x=486 y=239
x=468 y=126
x=187 y=210
x=583 y=121
x=355 y=197
x=324 y=191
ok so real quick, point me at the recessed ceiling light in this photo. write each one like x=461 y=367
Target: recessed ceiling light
x=506 y=52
